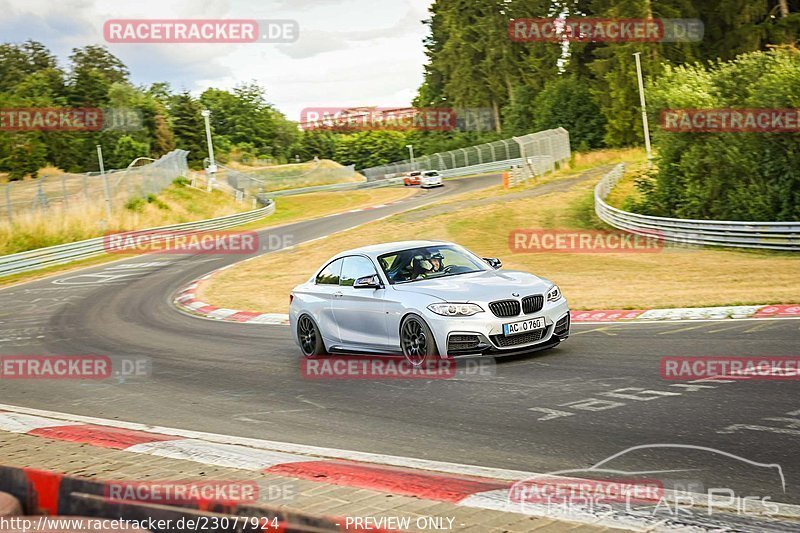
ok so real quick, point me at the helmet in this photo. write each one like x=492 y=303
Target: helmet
x=422 y=263
x=439 y=257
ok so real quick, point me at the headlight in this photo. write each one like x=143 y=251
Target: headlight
x=455 y=309
x=554 y=294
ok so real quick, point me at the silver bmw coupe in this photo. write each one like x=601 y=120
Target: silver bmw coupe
x=425 y=300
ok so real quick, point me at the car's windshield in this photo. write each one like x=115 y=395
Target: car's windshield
x=428 y=262
x=432 y=173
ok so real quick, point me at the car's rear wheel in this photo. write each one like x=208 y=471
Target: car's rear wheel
x=309 y=337
x=417 y=342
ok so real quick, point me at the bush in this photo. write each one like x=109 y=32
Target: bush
x=156 y=201
x=135 y=204
x=727 y=176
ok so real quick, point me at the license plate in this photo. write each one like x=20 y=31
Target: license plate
x=523 y=326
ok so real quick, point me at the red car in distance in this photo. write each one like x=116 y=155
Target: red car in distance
x=412 y=178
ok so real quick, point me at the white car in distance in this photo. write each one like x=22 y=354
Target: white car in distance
x=430 y=178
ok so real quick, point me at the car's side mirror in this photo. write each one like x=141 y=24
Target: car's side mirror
x=368 y=282
x=493 y=262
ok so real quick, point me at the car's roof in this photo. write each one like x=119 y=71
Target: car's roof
x=375 y=250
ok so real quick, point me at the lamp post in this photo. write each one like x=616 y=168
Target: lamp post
x=212 y=165
x=411 y=152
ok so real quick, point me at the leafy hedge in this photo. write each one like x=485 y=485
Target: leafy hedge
x=727 y=176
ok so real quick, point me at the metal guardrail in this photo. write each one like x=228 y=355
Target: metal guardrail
x=65 y=253
x=734 y=234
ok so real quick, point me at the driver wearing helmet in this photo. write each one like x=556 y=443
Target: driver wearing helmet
x=437 y=260
x=423 y=266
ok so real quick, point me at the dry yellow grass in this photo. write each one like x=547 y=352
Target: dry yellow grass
x=595 y=158
x=626 y=187
x=672 y=277
x=50 y=170
x=86 y=220
x=288 y=209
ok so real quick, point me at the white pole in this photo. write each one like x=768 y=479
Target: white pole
x=411 y=152
x=637 y=55
x=212 y=166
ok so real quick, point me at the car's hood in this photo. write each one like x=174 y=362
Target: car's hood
x=484 y=286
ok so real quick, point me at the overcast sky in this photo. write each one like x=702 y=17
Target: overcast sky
x=350 y=52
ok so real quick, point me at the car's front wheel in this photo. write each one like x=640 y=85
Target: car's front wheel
x=416 y=341
x=309 y=337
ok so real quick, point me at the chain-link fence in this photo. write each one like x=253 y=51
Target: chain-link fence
x=536 y=152
x=541 y=152
x=50 y=194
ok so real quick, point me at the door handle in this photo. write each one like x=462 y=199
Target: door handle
x=337 y=294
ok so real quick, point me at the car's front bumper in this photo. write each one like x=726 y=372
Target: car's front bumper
x=482 y=334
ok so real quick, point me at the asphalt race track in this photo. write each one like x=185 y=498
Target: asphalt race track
x=569 y=408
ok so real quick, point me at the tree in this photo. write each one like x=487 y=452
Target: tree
x=244 y=116
x=163 y=137
x=19 y=61
x=472 y=62
x=316 y=143
x=371 y=148
x=126 y=150
x=568 y=103
x=26 y=158
x=99 y=59
x=189 y=129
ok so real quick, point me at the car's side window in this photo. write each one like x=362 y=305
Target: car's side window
x=330 y=274
x=355 y=266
